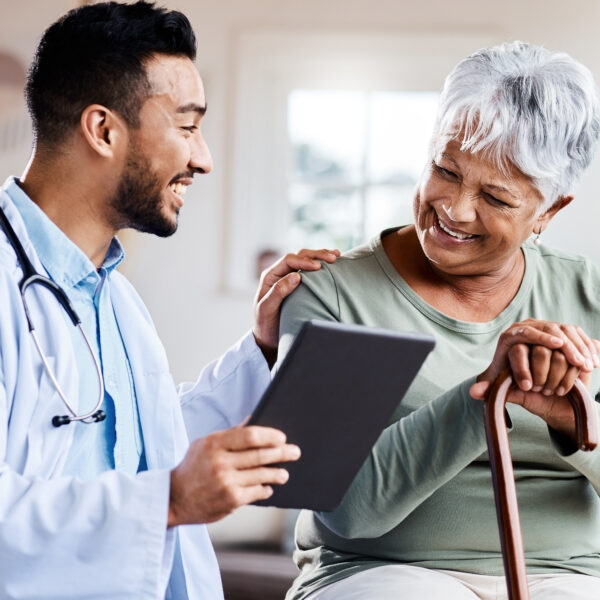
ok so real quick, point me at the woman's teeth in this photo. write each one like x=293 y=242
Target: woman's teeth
x=178 y=188
x=455 y=234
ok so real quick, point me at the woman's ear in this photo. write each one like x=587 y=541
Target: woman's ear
x=548 y=215
x=103 y=130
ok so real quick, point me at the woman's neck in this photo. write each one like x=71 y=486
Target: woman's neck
x=475 y=297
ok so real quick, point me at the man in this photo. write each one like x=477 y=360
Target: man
x=91 y=509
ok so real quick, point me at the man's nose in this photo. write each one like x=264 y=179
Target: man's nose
x=200 y=157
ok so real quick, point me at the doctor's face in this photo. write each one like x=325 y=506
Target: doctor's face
x=165 y=151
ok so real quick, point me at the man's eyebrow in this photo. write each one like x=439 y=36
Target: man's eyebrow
x=191 y=107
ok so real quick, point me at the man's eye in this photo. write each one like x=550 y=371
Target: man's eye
x=190 y=128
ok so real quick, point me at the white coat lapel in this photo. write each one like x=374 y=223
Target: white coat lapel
x=36 y=399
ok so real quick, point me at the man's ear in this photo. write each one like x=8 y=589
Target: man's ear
x=104 y=130
x=548 y=215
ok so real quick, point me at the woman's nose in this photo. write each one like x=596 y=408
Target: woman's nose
x=460 y=208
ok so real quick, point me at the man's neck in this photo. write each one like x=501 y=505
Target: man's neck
x=73 y=202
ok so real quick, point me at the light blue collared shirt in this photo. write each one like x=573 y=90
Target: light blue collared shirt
x=116 y=442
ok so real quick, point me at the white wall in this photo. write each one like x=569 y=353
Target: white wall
x=181 y=278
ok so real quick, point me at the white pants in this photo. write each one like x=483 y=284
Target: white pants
x=405 y=582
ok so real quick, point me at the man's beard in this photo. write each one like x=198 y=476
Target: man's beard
x=138 y=201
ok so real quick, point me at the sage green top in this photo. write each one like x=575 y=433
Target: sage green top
x=424 y=496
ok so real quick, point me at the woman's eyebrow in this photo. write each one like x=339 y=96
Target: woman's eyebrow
x=499 y=188
x=449 y=158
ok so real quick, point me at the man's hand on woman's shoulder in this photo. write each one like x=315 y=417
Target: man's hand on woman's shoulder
x=277 y=283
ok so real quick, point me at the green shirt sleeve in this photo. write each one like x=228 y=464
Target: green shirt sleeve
x=413 y=457
x=587 y=463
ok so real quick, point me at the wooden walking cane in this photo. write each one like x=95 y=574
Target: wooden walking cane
x=503 y=477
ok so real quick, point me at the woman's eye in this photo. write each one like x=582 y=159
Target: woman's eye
x=494 y=200
x=445 y=172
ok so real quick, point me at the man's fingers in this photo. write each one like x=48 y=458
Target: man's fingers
x=244 y=438
x=327 y=254
x=266 y=327
x=270 y=302
x=262 y=476
x=266 y=314
x=248 y=459
x=307 y=260
x=254 y=493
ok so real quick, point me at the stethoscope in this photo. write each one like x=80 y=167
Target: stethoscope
x=31 y=277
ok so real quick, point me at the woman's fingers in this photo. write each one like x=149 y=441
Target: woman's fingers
x=577 y=347
x=526 y=333
x=540 y=359
x=518 y=358
x=518 y=334
x=567 y=382
x=539 y=369
x=540 y=353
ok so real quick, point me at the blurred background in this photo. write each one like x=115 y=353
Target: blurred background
x=318 y=121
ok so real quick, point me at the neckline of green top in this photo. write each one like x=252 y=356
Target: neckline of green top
x=506 y=317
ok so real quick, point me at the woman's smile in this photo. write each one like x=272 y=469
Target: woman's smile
x=444 y=230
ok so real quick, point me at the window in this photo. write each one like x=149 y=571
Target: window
x=355 y=159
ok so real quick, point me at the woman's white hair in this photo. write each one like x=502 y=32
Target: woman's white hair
x=523 y=106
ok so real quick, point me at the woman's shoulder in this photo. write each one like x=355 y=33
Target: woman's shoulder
x=571 y=278
x=570 y=265
x=351 y=267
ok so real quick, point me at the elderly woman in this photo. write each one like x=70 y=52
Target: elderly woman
x=516 y=127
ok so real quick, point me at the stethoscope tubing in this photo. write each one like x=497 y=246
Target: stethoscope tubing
x=30 y=278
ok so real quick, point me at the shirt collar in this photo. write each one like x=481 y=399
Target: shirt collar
x=65 y=262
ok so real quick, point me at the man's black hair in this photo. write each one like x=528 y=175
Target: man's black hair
x=95 y=54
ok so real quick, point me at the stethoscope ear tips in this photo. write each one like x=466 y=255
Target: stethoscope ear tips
x=58 y=421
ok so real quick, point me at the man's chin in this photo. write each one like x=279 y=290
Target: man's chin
x=161 y=229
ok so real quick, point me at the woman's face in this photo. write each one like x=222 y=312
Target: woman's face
x=471 y=219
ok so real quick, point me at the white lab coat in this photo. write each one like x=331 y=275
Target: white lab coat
x=64 y=538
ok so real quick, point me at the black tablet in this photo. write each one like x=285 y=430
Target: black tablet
x=333 y=394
